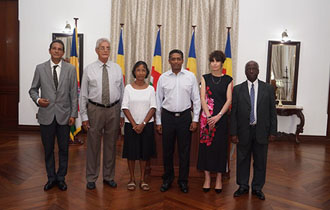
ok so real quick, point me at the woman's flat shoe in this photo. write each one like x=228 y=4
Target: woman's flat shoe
x=218 y=190
x=206 y=189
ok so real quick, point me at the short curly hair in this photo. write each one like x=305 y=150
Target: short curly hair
x=218 y=56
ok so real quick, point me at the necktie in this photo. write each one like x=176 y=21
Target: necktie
x=55 y=76
x=252 y=119
x=105 y=86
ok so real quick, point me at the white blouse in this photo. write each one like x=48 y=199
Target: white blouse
x=139 y=102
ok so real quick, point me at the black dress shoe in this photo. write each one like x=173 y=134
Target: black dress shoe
x=206 y=189
x=259 y=194
x=91 y=185
x=165 y=186
x=183 y=187
x=240 y=192
x=111 y=183
x=218 y=191
x=49 y=185
x=62 y=185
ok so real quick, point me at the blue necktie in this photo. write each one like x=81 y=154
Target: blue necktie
x=252 y=104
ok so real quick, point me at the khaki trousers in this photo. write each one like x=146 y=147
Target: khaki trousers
x=103 y=122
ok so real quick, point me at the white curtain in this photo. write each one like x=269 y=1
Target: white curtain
x=176 y=17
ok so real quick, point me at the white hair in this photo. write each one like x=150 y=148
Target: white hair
x=99 y=41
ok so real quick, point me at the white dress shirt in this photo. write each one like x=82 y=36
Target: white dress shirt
x=175 y=92
x=255 y=97
x=91 y=86
x=139 y=102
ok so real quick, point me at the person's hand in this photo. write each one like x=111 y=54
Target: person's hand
x=159 y=129
x=43 y=102
x=213 y=120
x=193 y=126
x=271 y=138
x=234 y=139
x=122 y=121
x=139 y=128
x=71 y=121
x=85 y=125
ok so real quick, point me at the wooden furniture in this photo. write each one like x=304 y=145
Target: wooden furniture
x=288 y=110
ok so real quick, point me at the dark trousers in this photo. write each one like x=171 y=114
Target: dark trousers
x=244 y=152
x=48 y=133
x=176 y=128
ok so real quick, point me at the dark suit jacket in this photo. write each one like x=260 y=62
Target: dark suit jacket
x=266 y=113
x=63 y=102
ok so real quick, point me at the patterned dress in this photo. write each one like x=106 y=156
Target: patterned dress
x=212 y=155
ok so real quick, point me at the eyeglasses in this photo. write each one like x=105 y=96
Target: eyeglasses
x=104 y=48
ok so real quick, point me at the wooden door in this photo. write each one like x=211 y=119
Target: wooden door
x=9 y=63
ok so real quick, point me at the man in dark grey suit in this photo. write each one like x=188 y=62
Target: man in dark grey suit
x=253 y=124
x=58 y=108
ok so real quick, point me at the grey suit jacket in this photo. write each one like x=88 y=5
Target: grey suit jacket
x=63 y=102
x=266 y=113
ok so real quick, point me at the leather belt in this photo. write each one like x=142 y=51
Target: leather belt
x=177 y=114
x=103 y=105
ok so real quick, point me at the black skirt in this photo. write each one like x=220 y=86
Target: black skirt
x=139 y=146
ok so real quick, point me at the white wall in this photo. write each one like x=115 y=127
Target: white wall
x=259 y=21
x=38 y=20
x=306 y=21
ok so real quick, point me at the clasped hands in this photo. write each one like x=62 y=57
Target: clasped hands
x=212 y=120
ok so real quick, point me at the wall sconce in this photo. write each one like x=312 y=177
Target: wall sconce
x=285 y=36
x=67 y=28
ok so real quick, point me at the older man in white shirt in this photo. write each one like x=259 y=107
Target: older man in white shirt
x=101 y=94
x=177 y=90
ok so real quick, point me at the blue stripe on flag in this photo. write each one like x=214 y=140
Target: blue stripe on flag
x=228 y=48
x=121 y=45
x=74 y=45
x=158 y=47
x=192 y=53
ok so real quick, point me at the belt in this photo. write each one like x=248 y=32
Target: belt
x=177 y=114
x=103 y=105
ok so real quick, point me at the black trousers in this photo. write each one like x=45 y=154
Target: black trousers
x=244 y=153
x=48 y=133
x=176 y=128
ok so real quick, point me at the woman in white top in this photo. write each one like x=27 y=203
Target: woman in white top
x=139 y=105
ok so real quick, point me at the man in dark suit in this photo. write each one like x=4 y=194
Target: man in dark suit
x=58 y=108
x=253 y=124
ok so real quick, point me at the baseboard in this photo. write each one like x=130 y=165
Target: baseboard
x=313 y=138
x=28 y=128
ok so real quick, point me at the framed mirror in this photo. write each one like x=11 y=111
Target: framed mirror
x=67 y=40
x=282 y=70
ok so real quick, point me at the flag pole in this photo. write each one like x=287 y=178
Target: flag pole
x=76 y=21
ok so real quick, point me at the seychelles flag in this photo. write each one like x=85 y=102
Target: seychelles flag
x=120 y=55
x=156 y=63
x=227 y=66
x=191 y=64
x=75 y=129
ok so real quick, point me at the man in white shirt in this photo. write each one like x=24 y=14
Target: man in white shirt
x=100 y=99
x=177 y=90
